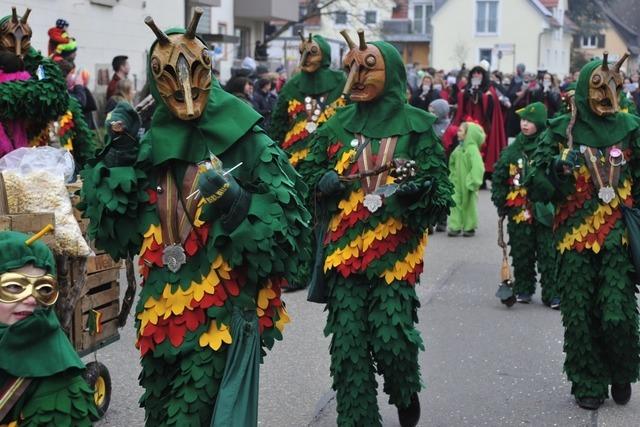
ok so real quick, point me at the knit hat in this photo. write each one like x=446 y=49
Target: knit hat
x=536 y=113
x=15 y=253
x=61 y=23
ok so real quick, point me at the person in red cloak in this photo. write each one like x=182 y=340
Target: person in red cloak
x=479 y=103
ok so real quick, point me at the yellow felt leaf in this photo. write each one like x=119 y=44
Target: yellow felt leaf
x=214 y=337
x=283 y=320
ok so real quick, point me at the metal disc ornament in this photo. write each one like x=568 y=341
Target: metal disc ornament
x=607 y=194
x=372 y=202
x=173 y=257
x=311 y=127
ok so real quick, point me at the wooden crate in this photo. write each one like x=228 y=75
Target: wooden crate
x=28 y=223
x=102 y=294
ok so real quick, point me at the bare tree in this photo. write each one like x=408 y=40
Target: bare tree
x=315 y=8
x=460 y=51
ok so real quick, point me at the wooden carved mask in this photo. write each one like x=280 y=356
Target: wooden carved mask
x=365 y=69
x=15 y=34
x=604 y=86
x=310 y=54
x=181 y=67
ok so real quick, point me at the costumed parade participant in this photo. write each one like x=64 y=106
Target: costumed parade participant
x=381 y=180
x=211 y=206
x=308 y=99
x=479 y=102
x=41 y=381
x=40 y=102
x=587 y=164
x=529 y=226
x=466 y=173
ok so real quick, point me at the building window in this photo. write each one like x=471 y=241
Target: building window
x=370 y=17
x=244 y=47
x=590 y=42
x=422 y=18
x=486 y=55
x=487 y=17
x=341 y=17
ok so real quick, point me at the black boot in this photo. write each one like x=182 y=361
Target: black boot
x=410 y=415
x=621 y=393
x=589 y=403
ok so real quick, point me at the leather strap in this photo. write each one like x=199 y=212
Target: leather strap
x=366 y=163
x=176 y=212
x=11 y=393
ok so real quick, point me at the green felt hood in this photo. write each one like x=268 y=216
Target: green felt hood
x=389 y=114
x=536 y=113
x=590 y=129
x=475 y=135
x=323 y=80
x=36 y=347
x=224 y=120
x=14 y=253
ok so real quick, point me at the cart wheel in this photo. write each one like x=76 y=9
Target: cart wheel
x=98 y=378
x=509 y=302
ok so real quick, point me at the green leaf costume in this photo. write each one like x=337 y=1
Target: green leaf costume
x=185 y=319
x=43 y=100
x=291 y=125
x=36 y=348
x=466 y=173
x=595 y=273
x=371 y=260
x=529 y=227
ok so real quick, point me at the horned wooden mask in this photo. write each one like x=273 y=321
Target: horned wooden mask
x=15 y=34
x=310 y=54
x=604 y=86
x=365 y=68
x=181 y=67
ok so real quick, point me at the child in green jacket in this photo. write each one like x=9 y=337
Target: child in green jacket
x=529 y=227
x=466 y=173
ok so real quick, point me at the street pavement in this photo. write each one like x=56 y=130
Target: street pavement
x=484 y=364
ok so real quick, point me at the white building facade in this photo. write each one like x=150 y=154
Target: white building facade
x=503 y=32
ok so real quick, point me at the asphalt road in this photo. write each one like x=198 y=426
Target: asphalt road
x=484 y=364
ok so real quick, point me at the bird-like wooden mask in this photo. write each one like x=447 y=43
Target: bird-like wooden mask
x=365 y=69
x=15 y=34
x=604 y=85
x=181 y=67
x=310 y=54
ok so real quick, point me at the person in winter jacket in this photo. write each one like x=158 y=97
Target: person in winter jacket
x=466 y=172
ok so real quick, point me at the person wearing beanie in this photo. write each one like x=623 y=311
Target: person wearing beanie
x=466 y=172
x=371 y=232
x=215 y=212
x=40 y=372
x=58 y=36
x=307 y=100
x=42 y=100
x=529 y=224
x=586 y=163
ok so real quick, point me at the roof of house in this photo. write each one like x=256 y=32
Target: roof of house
x=628 y=34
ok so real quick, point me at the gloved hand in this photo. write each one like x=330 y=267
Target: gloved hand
x=122 y=125
x=222 y=192
x=565 y=162
x=412 y=188
x=330 y=183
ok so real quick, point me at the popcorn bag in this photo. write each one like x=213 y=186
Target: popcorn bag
x=35 y=182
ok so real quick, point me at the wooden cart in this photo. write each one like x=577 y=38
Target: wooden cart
x=89 y=294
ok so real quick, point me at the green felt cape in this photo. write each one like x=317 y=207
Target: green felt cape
x=192 y=141
x=36 y=347
x=389 y=114
x=590 y=129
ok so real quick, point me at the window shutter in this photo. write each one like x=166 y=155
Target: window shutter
x=600 y=40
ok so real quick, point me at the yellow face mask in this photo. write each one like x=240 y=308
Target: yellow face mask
x=15 y=287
